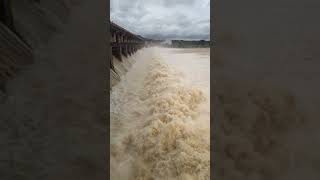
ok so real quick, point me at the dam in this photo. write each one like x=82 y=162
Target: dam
x=50 y=76
x=173 y=85
x=123 y=43
x=159 y=110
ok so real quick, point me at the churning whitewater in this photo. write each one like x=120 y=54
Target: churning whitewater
x=160 y=118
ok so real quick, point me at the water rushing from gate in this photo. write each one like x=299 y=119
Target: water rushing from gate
x=160 y=124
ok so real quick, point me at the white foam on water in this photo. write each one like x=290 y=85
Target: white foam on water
x=160 y=117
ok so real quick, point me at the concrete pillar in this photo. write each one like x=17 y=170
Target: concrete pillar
x=117 y=38
x=121 y=38
x=114 y=37
x=117 y=52
x=124 y=50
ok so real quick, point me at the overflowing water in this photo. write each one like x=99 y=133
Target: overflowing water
x=160 y=116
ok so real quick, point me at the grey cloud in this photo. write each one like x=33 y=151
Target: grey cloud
x=163 y=19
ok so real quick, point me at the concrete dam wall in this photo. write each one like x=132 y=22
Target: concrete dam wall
x=120 y=68
x=124 y=44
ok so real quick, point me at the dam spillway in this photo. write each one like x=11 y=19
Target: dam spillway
x=123 y=45
x=160 y=116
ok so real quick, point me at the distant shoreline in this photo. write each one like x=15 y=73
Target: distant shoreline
x=198 y=47
x=188 y=44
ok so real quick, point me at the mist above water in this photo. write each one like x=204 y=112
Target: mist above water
x=160 y=118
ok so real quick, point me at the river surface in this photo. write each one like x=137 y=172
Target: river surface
x=160 y=116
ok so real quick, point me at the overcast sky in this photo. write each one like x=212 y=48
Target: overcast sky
x=163 y=19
